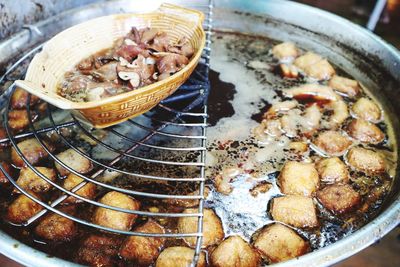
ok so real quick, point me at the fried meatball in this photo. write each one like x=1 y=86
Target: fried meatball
x=55 y=227
x=366 y=109
x=234 y=251
x=346 y=86
x=29 y=180
x=32 y=150
x=307 y=59
x=99 y=251
x=285 y=51
x=143 y=250
x=18 y=120
x=322 y=70
x=332 y=170
x=7 y=168
x=297 y=178
x=74 y=160
x=87 y=191
x=332 y=143
x=179 y=257
x=279 y=243
x=366 y=160
x=20 y=97
x=365 y=131
x=212 y=227
x=22 y=209
x=339 y=198
x=298 y=211
x=116 y=219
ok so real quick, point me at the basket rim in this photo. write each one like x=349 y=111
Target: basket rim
x=124 y=96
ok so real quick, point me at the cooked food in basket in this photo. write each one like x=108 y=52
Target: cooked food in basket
x=140 y=58
x=315 y=166
x=118 y=66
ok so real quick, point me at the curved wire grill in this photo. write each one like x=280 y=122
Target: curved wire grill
x=190 y=121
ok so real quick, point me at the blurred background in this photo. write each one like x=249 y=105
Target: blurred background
x=359 y=11
x=385 y=253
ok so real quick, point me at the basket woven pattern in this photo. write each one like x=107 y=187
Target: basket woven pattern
x=69 y=47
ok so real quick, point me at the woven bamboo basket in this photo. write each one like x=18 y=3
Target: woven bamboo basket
x=68 y=48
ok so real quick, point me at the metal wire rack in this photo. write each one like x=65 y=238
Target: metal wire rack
x=189 y=123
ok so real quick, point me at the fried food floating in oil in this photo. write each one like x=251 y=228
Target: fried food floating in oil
x=179 y=257
x=234 y=251
x=279 y=243
x=213 y=232
x=116 y=219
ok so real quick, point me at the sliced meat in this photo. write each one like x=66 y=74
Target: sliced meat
x=74 y=160
x=22 y=209
x=18 y=120
x=213 y=232
x=332 y=143
x=7 y=168
x=143 y=250
x=365 y=131
x=179 y=257
x=171 y=63
x=332 y=170
x=297 y=211
x=279 y=243
x=20 y=97
x=32 y=150
x=116 y=219
x=348 y=87
x=148 y=34
x=366 y=109
x=55 y=227
x=87 y=191
x=366 y=160
x=297 y=178
x=160 y=42
x=183 y=47
x=99 y=251
x=30 y=181
x=285 y=51
x=129 y=52
x=234 y=251
x=107 y=72
x=339 y=198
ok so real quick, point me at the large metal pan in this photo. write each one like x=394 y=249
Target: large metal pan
x=359 y=52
